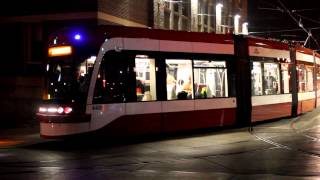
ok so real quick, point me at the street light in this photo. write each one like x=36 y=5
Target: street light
x=194 y=15
x=236 y=24
x=245 y=28
x=218 y=17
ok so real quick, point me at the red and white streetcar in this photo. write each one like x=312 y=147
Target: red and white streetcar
x=121 y=81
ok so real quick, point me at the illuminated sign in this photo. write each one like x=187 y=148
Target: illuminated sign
x=59 y=51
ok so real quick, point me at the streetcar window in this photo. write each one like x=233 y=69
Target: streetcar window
x=111 y=83
x=84 y=74
x=256 y=79
x=302 y=78
x=309 y=78
x=271 y=78
x=285 y=78
x=68 y=78
x=210 y=79
x=305 y=78
x=179 y=79
x=318 y=76
x=145 y=78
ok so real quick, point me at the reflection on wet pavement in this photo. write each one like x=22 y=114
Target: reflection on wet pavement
x=286 y=149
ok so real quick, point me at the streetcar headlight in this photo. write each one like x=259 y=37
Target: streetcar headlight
x=60 y=110
x=53 y=110
x=67 y=110
x=42 y=109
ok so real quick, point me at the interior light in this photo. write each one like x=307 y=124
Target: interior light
x=55 y=41
x=104 y=83
x=92 y=59
x=141 y=56
x=59 y=51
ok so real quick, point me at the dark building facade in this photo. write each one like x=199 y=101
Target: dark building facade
x=26 y=25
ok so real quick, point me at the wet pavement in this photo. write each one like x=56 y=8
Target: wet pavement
x=285 y=149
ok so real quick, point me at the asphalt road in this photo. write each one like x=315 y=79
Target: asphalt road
x=285 y=149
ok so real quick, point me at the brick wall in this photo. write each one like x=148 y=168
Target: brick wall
x=140 y=11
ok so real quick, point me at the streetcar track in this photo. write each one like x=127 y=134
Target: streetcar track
x=272 y=142
x=296 y=131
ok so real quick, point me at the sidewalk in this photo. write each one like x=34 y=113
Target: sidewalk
x=19 y=135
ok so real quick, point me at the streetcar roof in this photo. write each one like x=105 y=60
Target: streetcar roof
x=159 y=34
x=96 y=35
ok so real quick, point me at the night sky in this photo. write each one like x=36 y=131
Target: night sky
x=270 y=18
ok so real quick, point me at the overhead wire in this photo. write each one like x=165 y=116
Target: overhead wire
x=309 y=19
x=310 y=9
x=276 y=31
x=308 y=31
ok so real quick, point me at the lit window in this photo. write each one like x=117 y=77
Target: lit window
x=256 y=79
x=285 y=78
x=210 y=79
x=318 y=77
x=179 y=79
x=145 y=78
x=271 y=78
x=305 y=77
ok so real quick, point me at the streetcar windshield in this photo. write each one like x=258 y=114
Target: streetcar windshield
x=68 y=79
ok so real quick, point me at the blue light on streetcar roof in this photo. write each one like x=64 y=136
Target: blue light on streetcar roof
x=77 y=37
